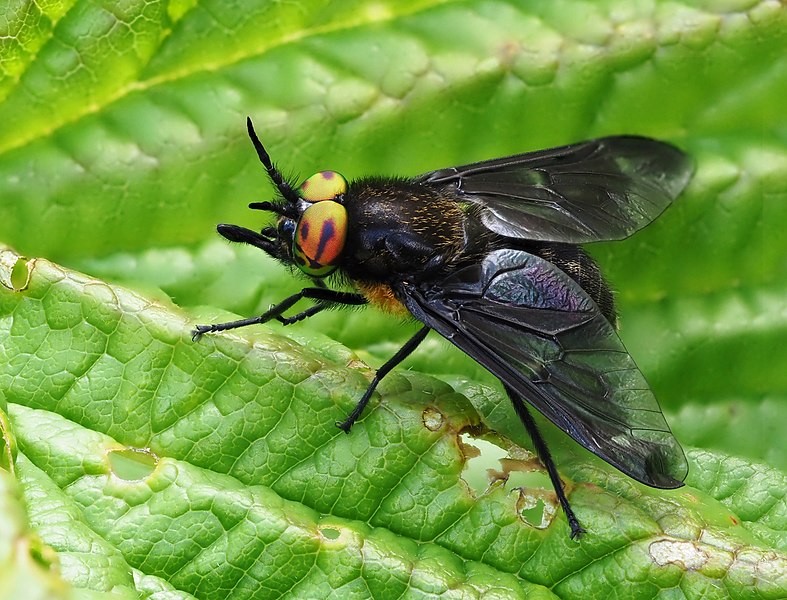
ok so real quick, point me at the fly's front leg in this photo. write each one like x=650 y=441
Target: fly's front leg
x=325 y=296
x=309 y=312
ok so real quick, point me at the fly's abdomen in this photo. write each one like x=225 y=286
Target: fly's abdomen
x=577 y=264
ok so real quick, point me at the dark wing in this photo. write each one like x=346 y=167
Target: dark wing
x=533 y=327
x=603 y=189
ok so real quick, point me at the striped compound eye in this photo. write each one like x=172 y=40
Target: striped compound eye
x=319 y=238
x=322 y=228
x=325 y=185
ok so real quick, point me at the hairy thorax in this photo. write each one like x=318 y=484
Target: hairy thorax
x=404 y=231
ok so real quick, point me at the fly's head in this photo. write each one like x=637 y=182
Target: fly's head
x=311 y=228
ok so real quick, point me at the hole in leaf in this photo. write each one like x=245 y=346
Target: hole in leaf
x=534 y=511
x=20 y=275
x=330 y=533
x=489 y=461
x=537 y=502
x=526 y=474
x=132 y=464
x=15 y=270
x=482 y=464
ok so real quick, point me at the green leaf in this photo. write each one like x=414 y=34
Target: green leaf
x=137 y=463
x=28 y=567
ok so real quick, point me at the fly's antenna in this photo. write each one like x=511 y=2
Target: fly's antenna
x=287 y=210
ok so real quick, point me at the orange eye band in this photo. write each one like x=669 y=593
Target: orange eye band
x=320 y=237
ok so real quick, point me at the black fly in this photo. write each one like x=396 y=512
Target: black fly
x=488 y=255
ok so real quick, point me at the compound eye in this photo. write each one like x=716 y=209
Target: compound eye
x=325 y=185
x=319 y=238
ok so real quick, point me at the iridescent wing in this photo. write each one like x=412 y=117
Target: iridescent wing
x=533 y=327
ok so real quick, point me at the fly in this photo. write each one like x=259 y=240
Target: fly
x=488 y=255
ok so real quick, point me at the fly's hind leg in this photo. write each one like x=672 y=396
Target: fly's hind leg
x=546 y=458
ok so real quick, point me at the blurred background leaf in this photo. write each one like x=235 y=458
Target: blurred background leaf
x=122 y=144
